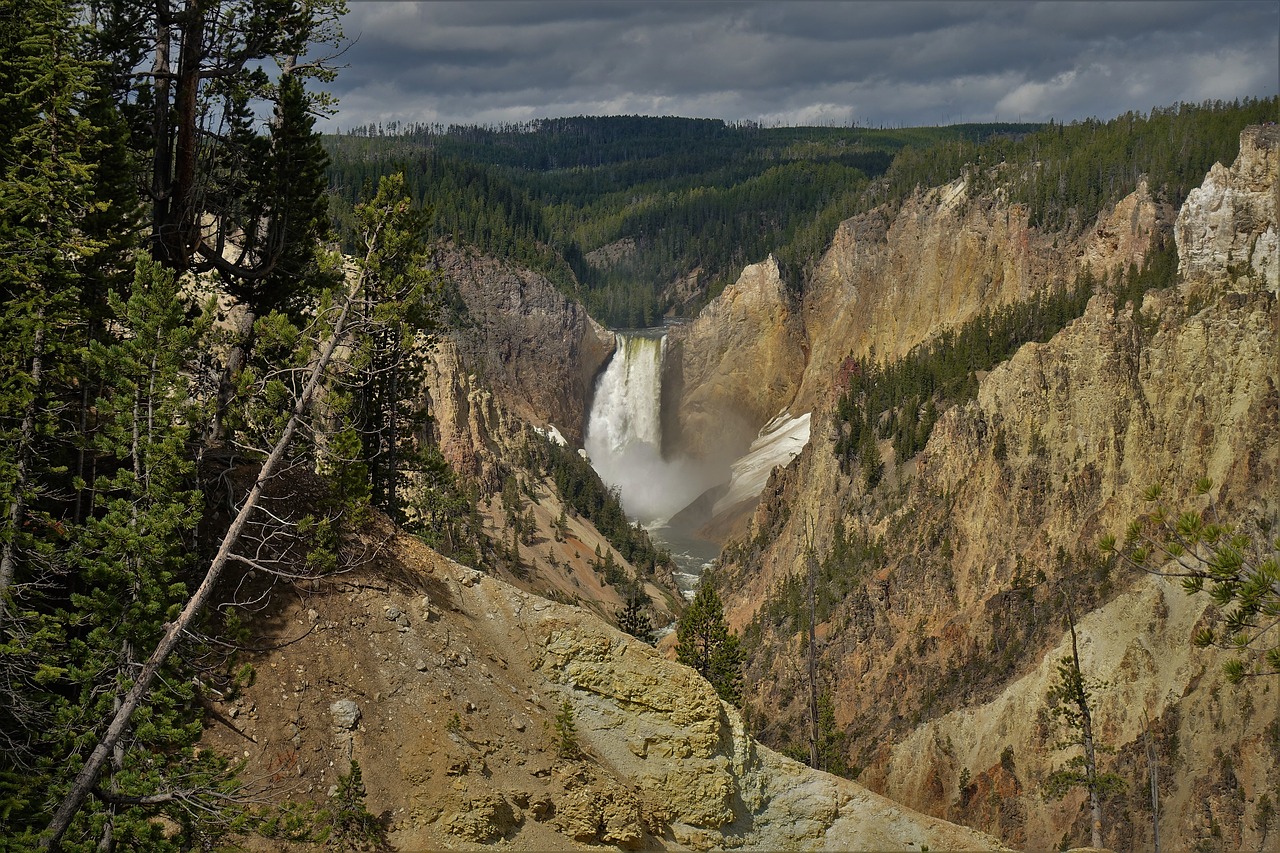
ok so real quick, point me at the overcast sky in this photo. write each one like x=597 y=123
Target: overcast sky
x=874 y=63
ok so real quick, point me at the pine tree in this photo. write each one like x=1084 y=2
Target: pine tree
x=46 y=189
x=1070 y=701
x=395 y=314
x=134 y=554
x=633 y=619
x=706 y=643
x=215 y=204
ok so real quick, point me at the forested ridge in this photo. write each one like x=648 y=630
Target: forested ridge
x=616 y=209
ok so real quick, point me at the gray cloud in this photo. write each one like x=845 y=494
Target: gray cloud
x=899 y=63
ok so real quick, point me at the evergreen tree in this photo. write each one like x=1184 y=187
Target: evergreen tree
x=705 y=642
x=393 y=317
x=633 y=619
x=215 y=204
x=1070 y=701
x=47 y=156
x=133 y=557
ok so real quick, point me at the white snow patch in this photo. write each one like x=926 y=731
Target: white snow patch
x=780 y=441
x=552 y=433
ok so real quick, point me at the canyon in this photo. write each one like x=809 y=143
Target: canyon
x=939 y=657
x=936 y=656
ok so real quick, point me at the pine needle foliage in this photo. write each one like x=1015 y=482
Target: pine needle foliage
x=1236 y=562
x=705 y=642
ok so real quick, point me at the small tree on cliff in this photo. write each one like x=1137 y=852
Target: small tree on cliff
x=1069 y=701
x=633 y=619
x=707 y=644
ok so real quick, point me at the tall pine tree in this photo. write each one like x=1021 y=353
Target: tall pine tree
x=706 y=643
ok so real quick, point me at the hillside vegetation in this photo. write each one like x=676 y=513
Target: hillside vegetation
x=643 y=217
x=618 y=209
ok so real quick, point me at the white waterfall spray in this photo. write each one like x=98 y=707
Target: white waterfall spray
x=628 y=403
x=624 y=434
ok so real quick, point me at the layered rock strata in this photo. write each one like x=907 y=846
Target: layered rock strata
x=891 y=279
x=940 y=654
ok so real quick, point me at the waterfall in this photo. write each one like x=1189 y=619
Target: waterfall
x=628 y=403
x=624 y=443
x=624 y=434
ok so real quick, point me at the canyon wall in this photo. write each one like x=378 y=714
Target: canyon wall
x=526 y=342
x=891 y=279
x=941 y=647
x=735 y=367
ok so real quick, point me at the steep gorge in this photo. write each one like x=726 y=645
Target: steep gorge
x=942 y=646
x=939 y=643
x=891 y=279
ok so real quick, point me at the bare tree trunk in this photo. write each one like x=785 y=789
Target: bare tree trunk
x=26 y=435
x=813 y=664
x=1086 y=738
x=185 y=207
x=1154 y=771
x=162 y=158
x=88 y=776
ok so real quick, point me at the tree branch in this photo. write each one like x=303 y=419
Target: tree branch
x=88 y=775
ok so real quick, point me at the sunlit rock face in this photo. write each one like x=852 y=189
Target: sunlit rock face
x=945 y=648
x=1227 y=226
x=735 y=366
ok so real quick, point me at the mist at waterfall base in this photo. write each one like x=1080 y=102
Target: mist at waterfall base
x=624 y=444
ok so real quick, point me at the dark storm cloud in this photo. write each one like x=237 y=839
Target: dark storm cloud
x=899 y=63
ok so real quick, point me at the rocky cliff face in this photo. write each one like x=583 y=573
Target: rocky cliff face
x=480 y=714
x=1227 y=227
x=521 y=359
x=735 y=367
x=941 y=650
x=890 y=280
x=536 y=349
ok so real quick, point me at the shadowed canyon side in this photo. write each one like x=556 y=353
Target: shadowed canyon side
x=535 y=348
x=938 y=652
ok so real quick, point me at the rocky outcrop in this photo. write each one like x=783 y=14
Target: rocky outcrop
x=467 y=423
x=944 y=642
x=1227 y=226
x=526 y=341
x=890 y=280
x=470 y=691
x=735 y=367
x=888 y=283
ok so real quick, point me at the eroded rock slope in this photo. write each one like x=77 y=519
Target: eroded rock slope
x=940 y=653
x=446 y=684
